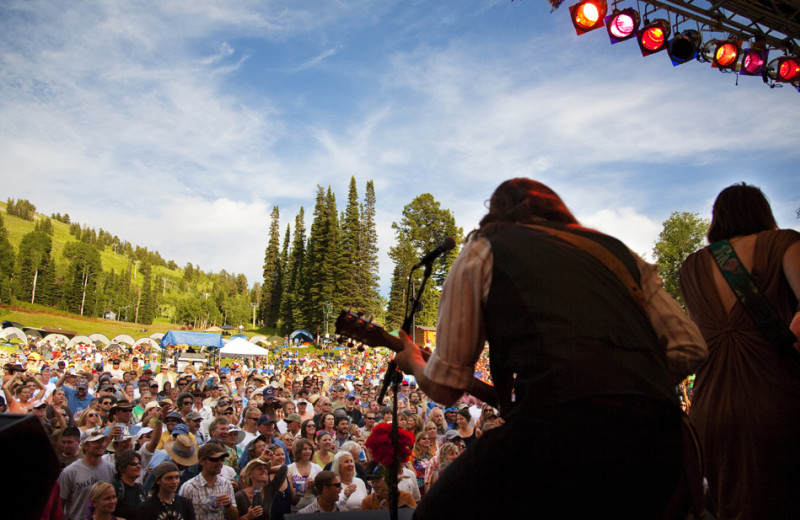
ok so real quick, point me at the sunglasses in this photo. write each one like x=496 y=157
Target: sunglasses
x=92 y=415
x=227 y=413
x=217 y=459
x=337 y=484
x=135 y=463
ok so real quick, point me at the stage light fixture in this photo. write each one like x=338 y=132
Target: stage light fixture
x=588 y=15
x=785 y=69
x=726 y=55
x=684 y=47
x=622 y=25
x=788 y=69
x=753 y=62
x=653 y=37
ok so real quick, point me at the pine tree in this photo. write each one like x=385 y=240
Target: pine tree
x=146 y=309
x=347 y=286
x=83 y=271
x=323 y=263
x=32 y=263
x=367 y=262
x=269 y=311
x=284 y=273
x=291 y=310
x=7 y=261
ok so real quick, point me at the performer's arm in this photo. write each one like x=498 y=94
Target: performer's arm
x=460 y=331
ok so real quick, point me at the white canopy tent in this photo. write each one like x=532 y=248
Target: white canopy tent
x=242 y=348
x=13 y=332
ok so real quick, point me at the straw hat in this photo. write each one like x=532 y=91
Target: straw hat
x=182 y=450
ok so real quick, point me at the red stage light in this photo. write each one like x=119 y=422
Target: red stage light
x=653 y=37
x=789 y=69
x=622 y=25
x=726 y=55
x=588 y=15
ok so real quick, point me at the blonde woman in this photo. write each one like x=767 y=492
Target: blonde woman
x=89 y=419
x=102 y=502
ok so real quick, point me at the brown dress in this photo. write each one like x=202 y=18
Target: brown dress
x=746 y=403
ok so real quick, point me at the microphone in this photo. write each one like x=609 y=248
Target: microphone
x=446 y=245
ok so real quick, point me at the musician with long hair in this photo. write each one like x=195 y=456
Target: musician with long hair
x=592 y=420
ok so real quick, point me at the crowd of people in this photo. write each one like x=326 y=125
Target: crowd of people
x=252 y=440
x=584 y=362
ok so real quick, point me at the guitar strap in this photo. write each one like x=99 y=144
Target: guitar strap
x=756 y=305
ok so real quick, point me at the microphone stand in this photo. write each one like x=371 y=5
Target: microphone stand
x=393 y=376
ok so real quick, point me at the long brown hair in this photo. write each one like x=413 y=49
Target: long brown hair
x=524 y=201
x=740 y=210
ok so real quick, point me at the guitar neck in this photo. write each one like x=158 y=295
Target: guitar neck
x=373 y=335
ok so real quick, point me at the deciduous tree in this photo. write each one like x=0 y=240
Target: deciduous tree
x=423 y=226
x=683 y=233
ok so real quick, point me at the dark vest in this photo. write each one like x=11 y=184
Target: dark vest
x=561 y=326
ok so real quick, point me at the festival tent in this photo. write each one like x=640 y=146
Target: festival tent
x=30 y=331
x=14 y=332
x=243 y=348
x=214 y=329
x=56 y=338
x=79 y=340
x=7 y=324
x=195 y=339
x=301 y=336
x=255 y=340
x=123 y=339
x=157 y=336
x=99 y=340
x=276 y=339
x=147 y=341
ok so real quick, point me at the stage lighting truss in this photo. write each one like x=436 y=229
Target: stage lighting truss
x=588 y=15
x=740 y=48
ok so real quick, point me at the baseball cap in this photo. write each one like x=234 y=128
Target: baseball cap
x=265 y=419
x=293 y=417
x=93 y=435
x=450 y=435
x=180 y=429
x=175 y=415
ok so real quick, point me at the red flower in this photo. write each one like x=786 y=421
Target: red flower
x=380 y=444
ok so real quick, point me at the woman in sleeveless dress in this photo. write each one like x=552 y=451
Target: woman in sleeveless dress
x=746 y=400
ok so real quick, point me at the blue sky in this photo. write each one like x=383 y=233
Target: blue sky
x=178 y=125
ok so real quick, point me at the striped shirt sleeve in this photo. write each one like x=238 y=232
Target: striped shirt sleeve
x=460 y=334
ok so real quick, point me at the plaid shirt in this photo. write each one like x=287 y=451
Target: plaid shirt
x=200 y=492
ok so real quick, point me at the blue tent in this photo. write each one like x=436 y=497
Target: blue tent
x=301 y=336
x=195 y=339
